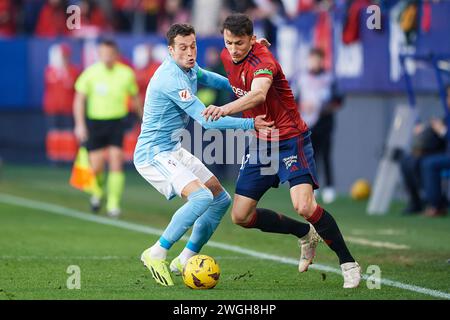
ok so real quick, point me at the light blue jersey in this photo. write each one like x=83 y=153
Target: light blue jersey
x=170 y=101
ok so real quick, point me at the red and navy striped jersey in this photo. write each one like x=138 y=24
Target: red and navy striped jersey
x=280 y=105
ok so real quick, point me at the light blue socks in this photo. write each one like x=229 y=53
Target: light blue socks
x=198 y=202
x=205 y=226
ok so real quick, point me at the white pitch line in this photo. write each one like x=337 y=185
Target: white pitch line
x=32 y=204
x=376 y=244
x=19 y=258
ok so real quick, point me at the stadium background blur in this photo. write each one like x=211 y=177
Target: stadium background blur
x=365 y=62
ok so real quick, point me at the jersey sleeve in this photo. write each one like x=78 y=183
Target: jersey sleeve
x=265 y=66
x=82 y=83
x=180 y=94
x=195 y=112
x=213 y=80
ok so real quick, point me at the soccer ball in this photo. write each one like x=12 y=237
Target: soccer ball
x=201 y=272
x=360 y=189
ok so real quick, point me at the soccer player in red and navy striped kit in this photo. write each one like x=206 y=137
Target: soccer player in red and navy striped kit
x=262 y=89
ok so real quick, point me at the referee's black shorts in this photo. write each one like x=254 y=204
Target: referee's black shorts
x=104 y=133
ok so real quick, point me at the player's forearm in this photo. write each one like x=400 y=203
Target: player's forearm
x=252 y=99
x=228 y=123
x=213 y=80
x=195 y=111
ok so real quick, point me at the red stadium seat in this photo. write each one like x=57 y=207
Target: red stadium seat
x=61 y=145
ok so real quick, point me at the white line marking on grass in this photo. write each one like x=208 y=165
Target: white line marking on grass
x=65 y=258
x=376 y=244
x=32 y=204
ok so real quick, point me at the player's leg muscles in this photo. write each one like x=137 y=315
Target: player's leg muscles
x=208 y=222
x=243 y=210
x=305 y=204
x=214 y=185
x=198 y=199
x=247 y=215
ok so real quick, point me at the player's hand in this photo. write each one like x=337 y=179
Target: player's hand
x=262 y=125
x=438 y=127
x=264 y=42
x=214 y=112
x=81 y=133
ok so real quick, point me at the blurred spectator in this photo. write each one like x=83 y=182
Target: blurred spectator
x=268 y=15
x=425 y=142
x=52 y=19
x=241 y=6
x=144 y=67
x=7 y=18
x=29 y=14
x=210 y=26
x=93 y=20
x=433 y=168
x=60 y=77
x=137 y=16
x=173 y=13
x=318 y=103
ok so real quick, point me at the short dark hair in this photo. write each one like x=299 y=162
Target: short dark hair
x=109 y=43
x=317 y=52
x=238 y=24
x=182 y=29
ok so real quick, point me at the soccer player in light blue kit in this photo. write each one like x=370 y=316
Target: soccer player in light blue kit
x=170 y=102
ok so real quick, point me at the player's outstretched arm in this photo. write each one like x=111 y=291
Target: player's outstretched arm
x=256 y=96
x=194 y=110
x=213 y=80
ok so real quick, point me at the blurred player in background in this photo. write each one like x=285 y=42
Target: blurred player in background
x=262 y=89
x=318 y=103
x=173 y=171
x=100 y=111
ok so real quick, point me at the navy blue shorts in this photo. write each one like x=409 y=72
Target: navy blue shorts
x=265 y=165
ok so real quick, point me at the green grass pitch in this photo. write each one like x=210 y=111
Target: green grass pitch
x=37 y=246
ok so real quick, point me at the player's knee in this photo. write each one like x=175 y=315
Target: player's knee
x=305 y=208
x=238 y=218
x=226 y=202
x=242 y=219
x=201 y=198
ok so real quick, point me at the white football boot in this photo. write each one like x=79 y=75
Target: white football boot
x=308 y=244
x=351 y=271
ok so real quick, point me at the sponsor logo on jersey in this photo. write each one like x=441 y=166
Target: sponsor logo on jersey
x=185 y=95
x=239 y=92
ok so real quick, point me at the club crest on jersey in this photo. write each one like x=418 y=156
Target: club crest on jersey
x=185 y=95
x=289 y=163
x=243 y=78
x=171 y=163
